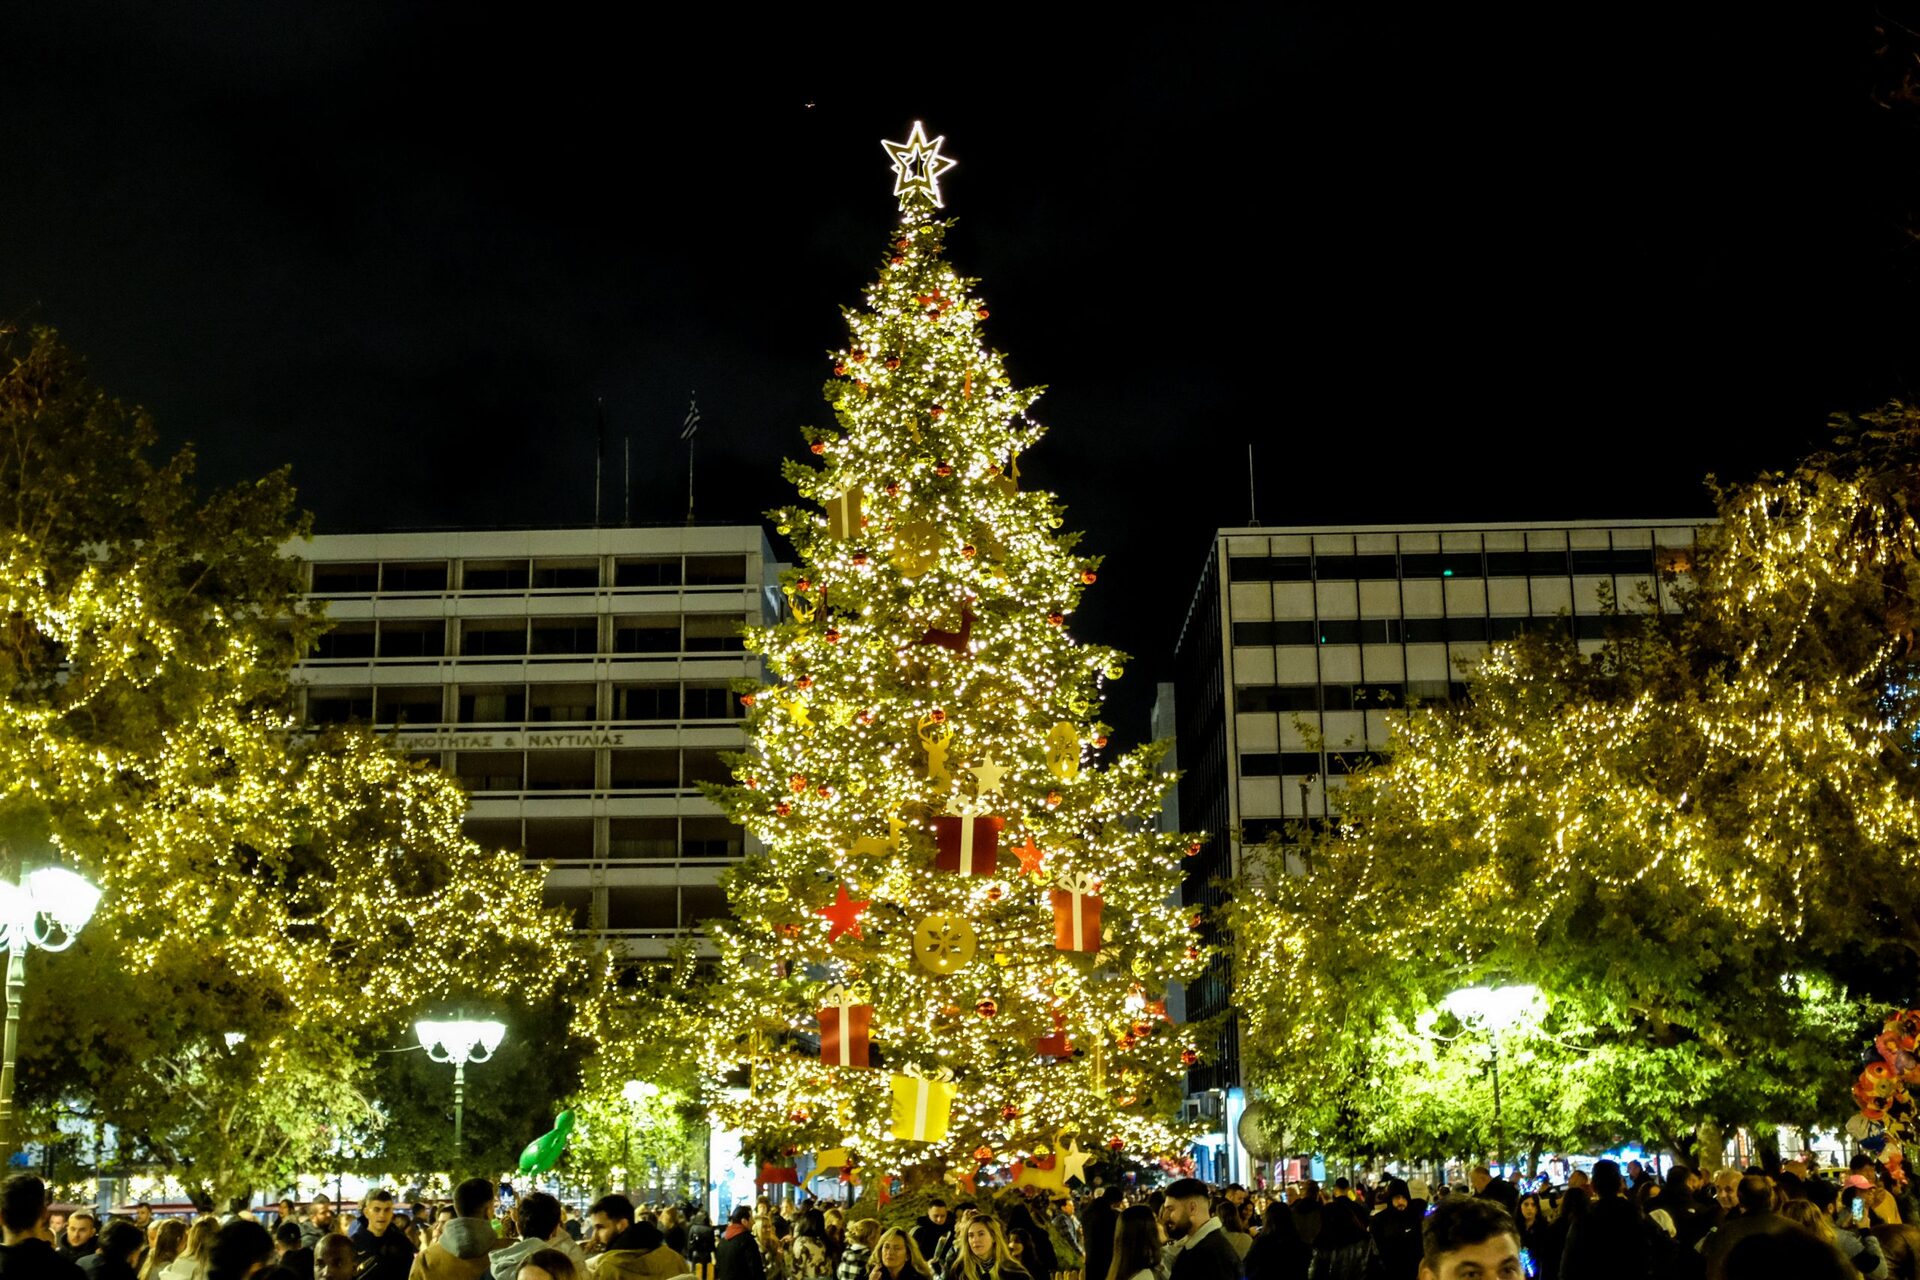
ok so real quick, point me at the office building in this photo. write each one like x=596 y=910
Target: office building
x=1301 y=644
x=577 y=681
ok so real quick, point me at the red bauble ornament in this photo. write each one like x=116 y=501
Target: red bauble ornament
x=938 y=716
x=753 y=784
x=1139 y=1029
x=826 y=792
x=860 y=558
x=833 y=637
x=746 y=699
x=804 y=682
x=1089 y=577
x=859 y=384
x=1116 y=1144
x=798 y=782
x=1125 y=1042
x=783 y=808
x=986 y=1008
x=939 y=412
x=981 y=312
x=1053 y=799
x=893 y=490
x=943 y=470
x=898 y=260
x=902 y=243
x=893 y=362
x=1193 y=850
x=1057 y=619
x=865 y=717
x=799 y=1116
x=1100 y=741
x=1009 y=1112
x=983 y=1154
x=995 y=893
x=1193 y=953
x=839 y=371
x=805 y=584
x=1188 y=1057
x=969 y=551
x=1195 y=921
x=859 y=357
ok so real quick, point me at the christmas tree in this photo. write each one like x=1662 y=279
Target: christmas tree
x=955 y=947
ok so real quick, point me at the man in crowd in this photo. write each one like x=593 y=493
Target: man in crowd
x=143 y=1215
x=459 y=1251
x=537 y=1217
x=1205 y=1253
x=385 y=1252
x=1470 y=1238
x=934 y=1224
x=116 y=1252
x=26 y=1244
x=292 y=1260
x=625 y=1247
x=80 y=1240
x=1498 y=1190
x=738 y=1255
x=1612 y=1239
x=318 y=1222
x=334 y=1258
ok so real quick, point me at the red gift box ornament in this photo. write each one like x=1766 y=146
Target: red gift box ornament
x=1058 y=1044
x=772 y=1174
x=969 y=839
x=1076 y=913
x=846 y=1023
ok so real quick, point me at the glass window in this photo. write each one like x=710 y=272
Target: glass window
x=700 y=902
x=1348 y=630
x=560 y=839
x=493 y=637
x=1259 y=633
x=1526 y=564
x=707 y=700
x=711 y=838
x=1448 y=564
x=713 y=571
x=493 y=704
x=646 y=770
x=549 y=575
x=414 y=575
x=1299 y=763
x=642 y=907
x=1339 y=762
x=494 y=833
x=560 y=704
x=339 y=706
x=340 y=578
x=1377 y=566
x=652 y=701
x=494 y=575
x=1337 y=697
x=647 y=635
x=489 y=770
x=575 y=899
x=346 y=640
x=413 y=639
x=1263 y=764
x=416 y=704
x=559 y=771
x=1465 y=630
x=1379 y=696
x=566 y=635
x=709 y=632
x=703 y=764
x=1285 y=697
x=655 y=838
x=646 y=571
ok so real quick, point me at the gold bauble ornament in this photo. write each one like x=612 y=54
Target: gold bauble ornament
x=944 y=944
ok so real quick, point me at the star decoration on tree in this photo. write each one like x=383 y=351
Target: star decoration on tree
x=1029 y=855
x=1073 y=1162
x=917 y=165
x=987 y=776
x=843 y=916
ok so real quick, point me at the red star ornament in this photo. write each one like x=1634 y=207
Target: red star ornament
x=843 y=916
x=1029 y=855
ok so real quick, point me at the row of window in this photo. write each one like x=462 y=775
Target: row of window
x=1420 y=630
x=577 y=573
x=536 y=637
x=1454 y=564
x=1345 y=697
x=586 y=769
x=640 y=908
x=420 y=705
x=1268 y=764
x=662 y=839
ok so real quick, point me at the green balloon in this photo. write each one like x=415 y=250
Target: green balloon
x=544 y=1151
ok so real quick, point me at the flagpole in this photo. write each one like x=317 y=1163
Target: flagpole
x=688 y=430
x=690 y=443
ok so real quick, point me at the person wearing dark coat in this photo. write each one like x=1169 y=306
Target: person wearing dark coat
x=24 y=1254
x=118 y=1251
x=1498 y=1190
x=1343 y=1250
x=1612 y=1240
x=1396 y=1232
x=935 y=1225
x=1205 y=1253
x=1098 y=1222
x=1278 y=1252
x=738 y=1255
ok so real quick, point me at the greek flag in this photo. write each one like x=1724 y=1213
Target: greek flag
x=692 y=423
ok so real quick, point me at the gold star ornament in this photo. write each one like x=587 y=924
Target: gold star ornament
x=917 y=166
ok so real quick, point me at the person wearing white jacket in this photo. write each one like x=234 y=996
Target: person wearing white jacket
x=537 y=1214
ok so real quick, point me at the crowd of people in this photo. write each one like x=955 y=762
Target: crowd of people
x=1610 y=1224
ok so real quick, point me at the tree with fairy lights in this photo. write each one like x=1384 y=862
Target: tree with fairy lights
x=1702 y=841
x=955 y=947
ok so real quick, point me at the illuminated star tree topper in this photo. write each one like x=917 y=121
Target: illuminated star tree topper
x=917 y=166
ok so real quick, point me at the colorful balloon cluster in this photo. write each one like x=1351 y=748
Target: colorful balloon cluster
x=1888 y=1112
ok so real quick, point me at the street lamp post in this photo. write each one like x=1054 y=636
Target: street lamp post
x=459 y=1041
x=47 y=909
x=1497 y=1009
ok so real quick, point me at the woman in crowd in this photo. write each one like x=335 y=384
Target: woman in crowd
x=195 y=1251
x=1278 y=1252
x=1136 y=1245
x=1232 y=1227
x=164 y=1239
x=984 y=1255
x=857 y=1257
x=809 y=1249
x=547 y=1264
x=774 y=1259
x=899 y=1258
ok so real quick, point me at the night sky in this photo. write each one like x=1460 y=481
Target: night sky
x=1439 y=267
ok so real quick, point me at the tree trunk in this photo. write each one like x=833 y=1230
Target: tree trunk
x=1711 y=1145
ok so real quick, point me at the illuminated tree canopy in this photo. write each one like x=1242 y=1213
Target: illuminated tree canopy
x=1700 y=840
